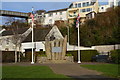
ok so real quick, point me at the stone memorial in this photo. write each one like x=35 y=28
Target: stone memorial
x=56 y=46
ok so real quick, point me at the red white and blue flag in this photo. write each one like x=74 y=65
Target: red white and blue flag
x=77 y=22
x=32 y=16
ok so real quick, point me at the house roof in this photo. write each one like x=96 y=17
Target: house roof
x=39 y=35
x=65 y=9
x=11 y=32
x=53 y=34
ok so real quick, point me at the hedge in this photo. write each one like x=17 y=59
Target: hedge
x=9 y=56
x=115 y=56
x=28 y=56
x=86 y=55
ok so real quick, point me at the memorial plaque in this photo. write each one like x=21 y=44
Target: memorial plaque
x=56 y=49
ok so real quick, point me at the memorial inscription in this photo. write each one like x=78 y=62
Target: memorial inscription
x=56 y=49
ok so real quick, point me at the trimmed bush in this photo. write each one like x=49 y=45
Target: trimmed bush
x=8 y=56
x=68 y=55
x=28 y=56
x=40 y=53
x=115 y=56
x=86 y=55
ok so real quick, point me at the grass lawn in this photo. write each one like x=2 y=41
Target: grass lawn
x=29 y=72
x=107 y=69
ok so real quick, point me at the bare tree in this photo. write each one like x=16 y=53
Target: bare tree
x=17 y=38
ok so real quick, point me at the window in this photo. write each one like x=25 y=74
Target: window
x=83 y=4
x=50 y=21
x=89 y=9
x=75 y=5
x=50 y=14
x=74 y=12
x=41 y=49
x=60 y=18
x=7 y=41
x=83 y=10
x=80 y=10
x=79 y=5
x=102 y=7
x=60 y=13
x=87 y=4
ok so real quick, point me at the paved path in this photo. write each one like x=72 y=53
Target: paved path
x=72 y=70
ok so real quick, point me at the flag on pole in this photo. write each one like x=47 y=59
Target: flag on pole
x=32 y=16
x=77 y=22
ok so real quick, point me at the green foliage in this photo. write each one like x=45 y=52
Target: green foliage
x=68 y=54
x=107 y=69
x=63 y=30
x=40 y=53
x=86 y=55
x=43 y=55
x=103 y=29
x=28 y=56
x=8 y=56
x=115 y=56
x=72 y=33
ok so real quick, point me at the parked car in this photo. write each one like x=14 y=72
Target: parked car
x=101 y=58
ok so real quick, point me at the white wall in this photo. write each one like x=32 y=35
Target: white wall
x=55 y=17
x=113 y=2
x=37 y=46
x=106 y=48
x=40 y=45
x=6 y=44
x=103 y=8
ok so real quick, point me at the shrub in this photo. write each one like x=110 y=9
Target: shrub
x=42 y=55
x=8 y=56
x=115 y=56
x=68 y=54
x=28 y=56
x=86 y=55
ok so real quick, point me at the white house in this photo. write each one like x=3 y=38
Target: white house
x=111 y=3
x=8 y=40
x=39 y=43
x=54 y=15
x=103 y=8
x=114 y=3
x=50 y=17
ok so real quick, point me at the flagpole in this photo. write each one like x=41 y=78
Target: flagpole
x=79 y=44
x=32 y=41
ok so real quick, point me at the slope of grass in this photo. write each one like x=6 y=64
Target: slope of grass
x=29 y=72
x=111 y=70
